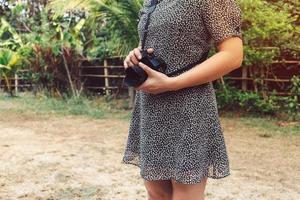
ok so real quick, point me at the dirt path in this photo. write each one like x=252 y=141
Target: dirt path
x=45 y=157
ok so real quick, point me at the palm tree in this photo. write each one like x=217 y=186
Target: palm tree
x=119 y=17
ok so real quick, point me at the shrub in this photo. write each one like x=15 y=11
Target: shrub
x=230 y=98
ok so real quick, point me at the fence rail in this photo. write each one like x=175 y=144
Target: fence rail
x=265 y=79
x=102 y=76
x=108 y=77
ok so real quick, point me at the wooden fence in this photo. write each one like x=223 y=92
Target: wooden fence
x=240 y=77
x=17 y=83
x=102 y=77
x=106 y=77
x=279 y=79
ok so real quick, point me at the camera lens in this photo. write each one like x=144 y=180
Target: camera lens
x=135 y=76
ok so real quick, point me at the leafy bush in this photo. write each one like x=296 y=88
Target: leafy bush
x=292 y=103
x=271 y=32
x=230 y=98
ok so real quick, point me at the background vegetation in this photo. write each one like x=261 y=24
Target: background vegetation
x=49 y=38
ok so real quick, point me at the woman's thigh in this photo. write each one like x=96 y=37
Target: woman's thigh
x=159 y=190
x=188 y=191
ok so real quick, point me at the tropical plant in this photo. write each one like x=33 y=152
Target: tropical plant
x=8 y=36
x=53 y=52
x=9 y=61
x=118 y=20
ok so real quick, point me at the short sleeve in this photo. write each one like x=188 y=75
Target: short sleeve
x=222 y=19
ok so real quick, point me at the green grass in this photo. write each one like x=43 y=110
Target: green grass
x=100 y=107
x=267 y=125
x=105 y=107
x=271 y=125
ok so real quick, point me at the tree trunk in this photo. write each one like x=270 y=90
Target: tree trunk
x=68 y=73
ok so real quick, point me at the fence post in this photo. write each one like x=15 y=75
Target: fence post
x=244 y=78
x=106 y=77
x=16 y=83
x=131 y=93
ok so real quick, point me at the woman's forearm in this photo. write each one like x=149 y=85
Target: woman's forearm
x=211 y=69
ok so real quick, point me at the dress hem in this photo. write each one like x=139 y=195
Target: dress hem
x=127 y=162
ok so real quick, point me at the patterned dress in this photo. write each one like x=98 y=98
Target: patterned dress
x=177 y=134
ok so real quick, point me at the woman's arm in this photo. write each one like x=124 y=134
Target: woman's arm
x=228 y=58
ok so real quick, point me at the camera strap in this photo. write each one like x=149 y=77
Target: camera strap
x=191 y=65
x=145 y=33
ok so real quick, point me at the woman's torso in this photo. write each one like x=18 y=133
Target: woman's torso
x=176 y=32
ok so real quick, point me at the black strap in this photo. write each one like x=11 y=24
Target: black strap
x=191 y=65
x=145 y=33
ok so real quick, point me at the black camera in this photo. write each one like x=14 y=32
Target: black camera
x=135 y=75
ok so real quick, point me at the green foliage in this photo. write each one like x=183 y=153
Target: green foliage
x=61 y=7
x=9 y=62
x=292 y=103
x=253 y=102
x=270 y=32
x=230 y=98
x=118 y=22
x=267 y=23
x=295 y=87
x=8 y=36
x=8 y=59
x=51 y=48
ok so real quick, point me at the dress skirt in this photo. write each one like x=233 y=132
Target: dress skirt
x=177 y=135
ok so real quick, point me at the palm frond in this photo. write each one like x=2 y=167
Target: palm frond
x=62 y=6
x=120 y=17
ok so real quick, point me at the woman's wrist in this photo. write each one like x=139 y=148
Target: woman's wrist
x=173 y=83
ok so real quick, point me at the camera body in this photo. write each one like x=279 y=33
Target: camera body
x=135 y=75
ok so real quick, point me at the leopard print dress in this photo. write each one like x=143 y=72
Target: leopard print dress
x=177 y=134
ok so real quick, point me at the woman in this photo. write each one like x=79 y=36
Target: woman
x=175 y=136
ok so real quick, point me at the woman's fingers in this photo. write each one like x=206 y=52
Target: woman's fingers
x=150 y=50
x=133 y=57
x=137 y=53
x=127 y=62
x=147 y=69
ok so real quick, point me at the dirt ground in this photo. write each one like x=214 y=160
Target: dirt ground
x=52 y=157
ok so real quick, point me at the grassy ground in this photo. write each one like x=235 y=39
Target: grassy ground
x=105 y=107
x=267 y=125
x=72 y=149
x=100 y=107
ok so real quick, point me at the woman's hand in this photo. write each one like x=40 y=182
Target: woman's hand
x=156 y=82
x=134 y=56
